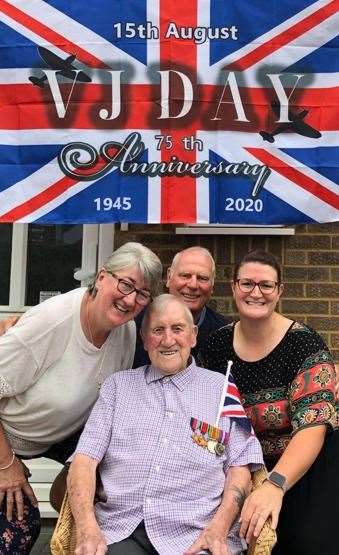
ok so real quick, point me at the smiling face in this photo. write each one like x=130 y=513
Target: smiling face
x=256 y=305
x=169 y=338
x=113 y=308
x=191 y=279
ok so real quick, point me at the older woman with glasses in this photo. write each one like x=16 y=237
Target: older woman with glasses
x=52 y=366
x=286 y=377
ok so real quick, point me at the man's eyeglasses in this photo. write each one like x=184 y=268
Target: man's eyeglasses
x=248 y=285
x=143 y=297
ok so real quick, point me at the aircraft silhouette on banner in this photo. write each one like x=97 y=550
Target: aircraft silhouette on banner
x=296 y=124
x=63 y=67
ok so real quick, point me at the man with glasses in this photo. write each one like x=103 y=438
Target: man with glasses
x=191 y=278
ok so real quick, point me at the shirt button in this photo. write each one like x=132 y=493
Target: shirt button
x=170 y=414
x=165 y=440
x=157 y=468
x=148 y=502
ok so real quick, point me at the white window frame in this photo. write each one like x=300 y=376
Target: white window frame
x=97 y=245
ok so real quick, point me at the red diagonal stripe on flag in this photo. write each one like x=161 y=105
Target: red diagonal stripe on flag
x=233 y=390
x=299 y=178
x=285 y=37
x=49 y=194
x=49 y=35
x=39 y=200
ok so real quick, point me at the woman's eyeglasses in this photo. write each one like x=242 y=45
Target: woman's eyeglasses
x=248 y=285
x=143 y=297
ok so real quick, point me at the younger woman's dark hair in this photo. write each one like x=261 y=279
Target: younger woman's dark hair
x=261 y=256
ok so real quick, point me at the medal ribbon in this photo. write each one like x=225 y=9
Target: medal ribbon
x=195 y=423
x=203 y=427
x=223 y=437
x=213 y=432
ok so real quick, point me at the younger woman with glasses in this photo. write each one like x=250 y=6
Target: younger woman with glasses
x=286 y=377
x=51 y=367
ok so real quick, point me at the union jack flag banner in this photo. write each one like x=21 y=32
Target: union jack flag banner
x=230 y=403
x=203 y=111
x=233 y=407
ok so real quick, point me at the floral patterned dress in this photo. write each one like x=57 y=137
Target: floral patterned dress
x=17 y=537
x=290 y=389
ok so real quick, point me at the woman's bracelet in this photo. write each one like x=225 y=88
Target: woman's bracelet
x=10 y=464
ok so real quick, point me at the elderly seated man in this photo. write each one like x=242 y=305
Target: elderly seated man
x=172 y=481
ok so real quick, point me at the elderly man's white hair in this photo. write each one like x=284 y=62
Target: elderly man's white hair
x=200 y=250
x=160 y=304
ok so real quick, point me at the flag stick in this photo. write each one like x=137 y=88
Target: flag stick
x=223 y=393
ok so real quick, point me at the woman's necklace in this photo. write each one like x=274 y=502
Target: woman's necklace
x=99 y=376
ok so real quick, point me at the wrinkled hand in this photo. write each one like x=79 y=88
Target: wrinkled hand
x=262 y=503
x=13 y=484
x=7 y=323
x=210 y=540
x=90 y=541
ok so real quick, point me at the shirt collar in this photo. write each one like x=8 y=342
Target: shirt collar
x=180 y=380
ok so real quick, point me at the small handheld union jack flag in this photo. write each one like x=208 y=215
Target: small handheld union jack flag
x=230 y=403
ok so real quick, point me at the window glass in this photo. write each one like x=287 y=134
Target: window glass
x=53 y=252
x=5 y=261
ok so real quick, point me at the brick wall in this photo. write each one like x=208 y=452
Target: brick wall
x=310 y=261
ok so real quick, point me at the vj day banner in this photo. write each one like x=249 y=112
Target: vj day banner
x=161 y=111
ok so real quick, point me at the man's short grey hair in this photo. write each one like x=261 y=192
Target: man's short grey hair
x=200 y=250
x=160 y=304
x=135 y=254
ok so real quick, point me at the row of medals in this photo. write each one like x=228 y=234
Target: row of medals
x=209 y=437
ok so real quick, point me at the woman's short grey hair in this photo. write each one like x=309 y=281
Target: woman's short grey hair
x=159 y=304
x=135 y=254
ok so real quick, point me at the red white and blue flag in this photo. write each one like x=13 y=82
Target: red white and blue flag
x=210 y=82
x=232 y=407
x=230 y=403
